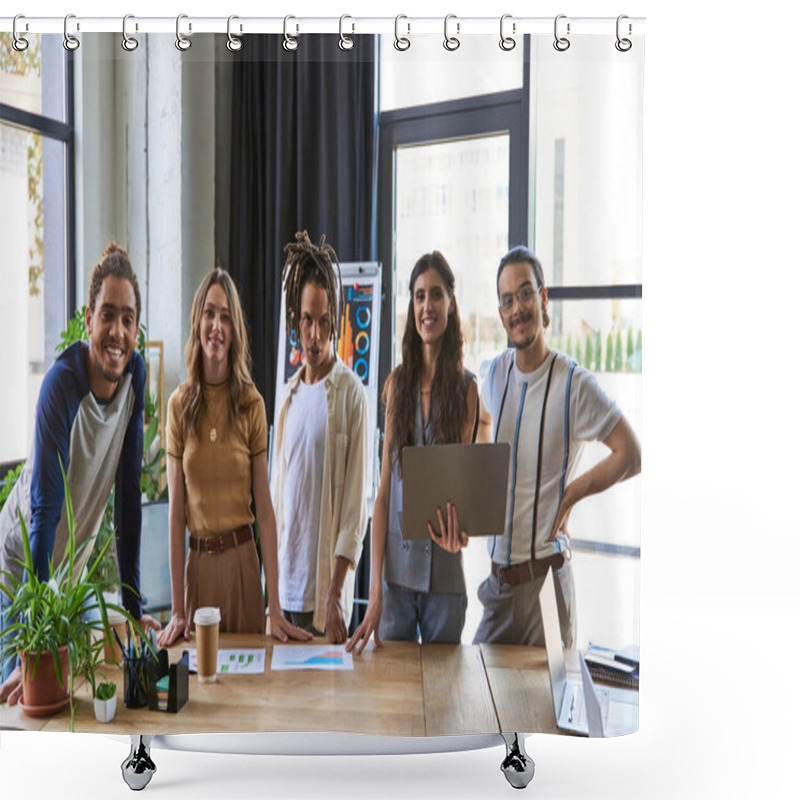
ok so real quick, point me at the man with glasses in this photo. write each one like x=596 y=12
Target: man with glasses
x=546 y=407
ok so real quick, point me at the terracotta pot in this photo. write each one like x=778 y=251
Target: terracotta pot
x=40 y=687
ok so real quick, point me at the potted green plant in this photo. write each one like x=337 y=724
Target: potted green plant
x=105 y=701
x=58 y=626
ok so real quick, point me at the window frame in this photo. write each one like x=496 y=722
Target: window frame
x=63 y=132
x=470 y=117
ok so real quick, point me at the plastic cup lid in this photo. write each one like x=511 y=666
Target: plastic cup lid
x=207 y=615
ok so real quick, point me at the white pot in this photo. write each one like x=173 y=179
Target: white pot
x=104 y=710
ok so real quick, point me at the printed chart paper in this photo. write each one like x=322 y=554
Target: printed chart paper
x=311 y=656
x=235 y=662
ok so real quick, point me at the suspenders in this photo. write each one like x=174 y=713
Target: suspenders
x=540 y=452
x=538 y=464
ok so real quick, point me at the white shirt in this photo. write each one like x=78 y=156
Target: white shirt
x=592 y=416
x=303 y=459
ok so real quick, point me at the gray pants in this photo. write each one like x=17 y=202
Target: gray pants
x=511 y=614
x=430 y=616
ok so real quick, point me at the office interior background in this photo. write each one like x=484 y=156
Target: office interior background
x=720 y=208
x=536 y=149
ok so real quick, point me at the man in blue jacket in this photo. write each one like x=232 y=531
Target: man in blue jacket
x=88 y=417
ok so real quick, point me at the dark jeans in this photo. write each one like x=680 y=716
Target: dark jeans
x=304 y=620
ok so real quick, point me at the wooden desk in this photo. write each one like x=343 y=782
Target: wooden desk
x=402 y=689
x=520 y=684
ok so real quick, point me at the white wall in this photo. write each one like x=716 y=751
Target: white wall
x=145 y=165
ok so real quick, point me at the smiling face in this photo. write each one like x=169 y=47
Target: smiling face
x=315 y=331
x=216 y=332
x=523 y=318
x=431 y=306
x=111 y=328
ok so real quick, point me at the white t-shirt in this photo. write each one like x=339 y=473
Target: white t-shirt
x=303 y=460
x=592 y=416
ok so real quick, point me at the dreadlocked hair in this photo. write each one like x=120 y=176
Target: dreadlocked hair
x=239 y=375
x=310 y=263
x=448 y=399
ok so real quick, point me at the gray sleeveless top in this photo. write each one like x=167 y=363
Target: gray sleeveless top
x=420 y=565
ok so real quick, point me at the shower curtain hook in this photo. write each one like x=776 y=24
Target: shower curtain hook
x=451 y=43
x=20 y=43
x=70 y=42
x=507 y=42
x=561 y=43
x=623 y=45
x=345 y=42
x=289 y=42
x=234 y=44
x=128 y=42
x=401 y=43
x=181 y=42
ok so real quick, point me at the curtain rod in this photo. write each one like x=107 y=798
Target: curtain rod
x=295 y=25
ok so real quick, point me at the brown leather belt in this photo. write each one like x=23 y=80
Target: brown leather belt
x=527 y=570
x=221 y=543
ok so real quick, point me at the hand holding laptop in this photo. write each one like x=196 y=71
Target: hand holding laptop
x=451 y=538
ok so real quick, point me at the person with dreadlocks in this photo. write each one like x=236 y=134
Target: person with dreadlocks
x=321 y=452
x=418 y=590
x=217 y=454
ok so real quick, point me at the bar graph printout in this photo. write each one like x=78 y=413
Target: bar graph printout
x=245 y=661
x=311 y=656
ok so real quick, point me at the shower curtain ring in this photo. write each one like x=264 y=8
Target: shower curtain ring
x=507 y=42
x=623 y=45
x=451 y=42
x=70 y=42
x=345 y=42
x=128 y=42
x=289 y=42
x=401 y=43
x=561 y=43
x=181 y=42
x=234 y=43
x=20 y=43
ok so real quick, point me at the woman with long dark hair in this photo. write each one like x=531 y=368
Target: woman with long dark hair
x=217 y=454
x=417 y=589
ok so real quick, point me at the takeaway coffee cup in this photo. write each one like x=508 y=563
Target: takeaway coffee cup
x=206 y=629
x=111 y=649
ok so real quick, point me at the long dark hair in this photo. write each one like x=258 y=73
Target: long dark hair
x=448 y=399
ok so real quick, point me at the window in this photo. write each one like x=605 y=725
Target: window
x=453 y=177
x=36 y=205
x=456 y=174
x=587 y=233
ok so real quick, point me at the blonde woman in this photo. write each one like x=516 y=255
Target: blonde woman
x=217 y=454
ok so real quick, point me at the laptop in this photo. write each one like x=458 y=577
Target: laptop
x=473 y=476
x=580 y=706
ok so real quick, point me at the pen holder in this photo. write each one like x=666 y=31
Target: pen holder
x=135 y=676
x=178 y=692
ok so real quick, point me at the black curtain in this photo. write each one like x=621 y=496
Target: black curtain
x=303 y=157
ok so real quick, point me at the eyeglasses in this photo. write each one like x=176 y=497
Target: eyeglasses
x=524 y=294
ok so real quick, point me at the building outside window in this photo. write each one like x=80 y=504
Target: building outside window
x=36 y=227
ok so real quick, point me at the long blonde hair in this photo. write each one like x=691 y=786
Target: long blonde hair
x=238 y=355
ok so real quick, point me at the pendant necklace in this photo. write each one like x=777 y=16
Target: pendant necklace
x=213 y=433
